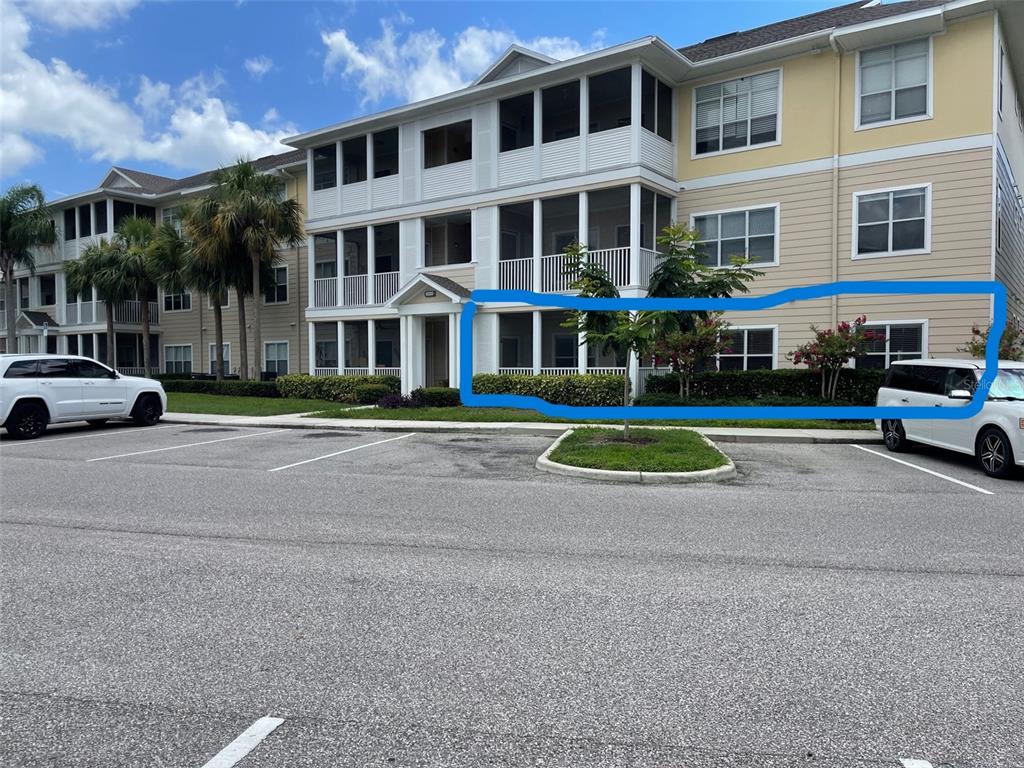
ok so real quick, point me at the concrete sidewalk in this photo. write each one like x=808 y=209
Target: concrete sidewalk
x=718 y=434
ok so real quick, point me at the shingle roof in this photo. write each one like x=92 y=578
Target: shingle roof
x=830 y=18
x=448 y=284
x=160 y=185
x=39 y=318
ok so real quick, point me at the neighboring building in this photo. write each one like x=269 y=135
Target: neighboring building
x=182 y=330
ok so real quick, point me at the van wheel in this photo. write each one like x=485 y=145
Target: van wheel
x=27 y=421
x=994 y=453
x=146 y=412
x=894 y=435
x=95 y=422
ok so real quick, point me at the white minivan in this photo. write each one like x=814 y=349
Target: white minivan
x=36 y=390
x=995 y=435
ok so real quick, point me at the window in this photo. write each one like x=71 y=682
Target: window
x=275 y=357
x=21 y=369
x=560 y=112
x=177 y=302
x=172 y=216
x=892 y=83
x=516 y=118
x=60 y=368
x=750 y=349
x=325 y=255
x=47 y=290
x=353 y=160
x=609 y=105
x=122 y=211
x=69 y=224
x=23 y=300
x=84 y=220
x=90 y=369
x=509 y=351
x=276 y=292
x=178 y=358
x=447 y=240
x=655 y=106
x=325 y=167
x=902 y=341
x=751 y=234
x=565 y=350
x=385 y=153
x=448 y=144
x=891 y=222
x=99 y=211
x=916 y=378
x=213 y=359
x=737 y=114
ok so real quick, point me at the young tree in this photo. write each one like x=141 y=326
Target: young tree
x=1011 y=343
x=688 y=351
x=831 y=351
x=134 y=236
x=25 y=224
x=101 y=266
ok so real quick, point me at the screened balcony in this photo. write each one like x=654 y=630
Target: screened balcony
x=367 y=272
x=369 y=347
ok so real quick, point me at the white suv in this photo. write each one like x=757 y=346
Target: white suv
x=995 y=435
x=36 y=390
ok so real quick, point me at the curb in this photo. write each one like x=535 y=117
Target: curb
x=716 y=475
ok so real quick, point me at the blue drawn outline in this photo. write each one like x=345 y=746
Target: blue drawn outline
x=885 y=287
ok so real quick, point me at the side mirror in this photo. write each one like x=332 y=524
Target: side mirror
x=115 y=375
x=960 y=394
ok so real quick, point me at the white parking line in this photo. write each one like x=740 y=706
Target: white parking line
x=338 y=453
x=95 y=433
x=246 y=742
x=923 y=469
x=188 y=445
x=913 y=762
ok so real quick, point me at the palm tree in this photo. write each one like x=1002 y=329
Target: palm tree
x=135 y=235
x=25 y=223
x=101 y=266
x=240 y=225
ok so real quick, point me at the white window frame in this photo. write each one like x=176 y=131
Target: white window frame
x=749 y=147
x=191 y=359
x=287 y=353
x=930 y=92
x=212 y=349
x=775 y=345
x=745 y=209
x=855 y=216
x=287 y=287
x=875 y=324
x=164 y=295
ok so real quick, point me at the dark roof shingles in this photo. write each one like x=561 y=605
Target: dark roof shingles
x=161 y=185
x=448 y=284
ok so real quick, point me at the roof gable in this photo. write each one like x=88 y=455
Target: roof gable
x=445 y=286
x=515 y=61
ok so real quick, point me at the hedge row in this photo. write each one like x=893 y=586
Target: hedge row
x=855 y=386
x=339 y=389
x=574 y=389
x=230 y=387
x=665 y=399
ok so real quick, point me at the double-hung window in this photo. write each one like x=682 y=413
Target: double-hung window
x=276 y=291
x=737 y=114
x=177 y=302
x=227 y=359
x=751 y=234
x=178 y=358
x=891 y=222
x=275 y=357
x=892 y=83
x=900 y=341
x=749 y=349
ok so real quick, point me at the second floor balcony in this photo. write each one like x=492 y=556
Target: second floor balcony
x=95 y=312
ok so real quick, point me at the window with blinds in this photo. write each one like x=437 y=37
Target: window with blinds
x=893 y=83
x=737 y=114
x=893 y=341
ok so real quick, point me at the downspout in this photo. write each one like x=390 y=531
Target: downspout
x=836 y=103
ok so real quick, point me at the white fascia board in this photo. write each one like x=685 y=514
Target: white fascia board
x=916 y=24
x=510 y=53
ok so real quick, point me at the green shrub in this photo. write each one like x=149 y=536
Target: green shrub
x=666 y=399
x=339 y=389
x=369 y=394
x=575 y=389
x=230 y=387
x=858 y=387
x=435 y=397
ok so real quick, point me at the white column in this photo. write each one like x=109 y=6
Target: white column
x=584 y=124
x=60 y=288
x=584 y=219
x=633 y=368
x=310 y=275
x=634 y=234
x=311 y=346
x=453 y=349
x=403 y=352
x=536 y=342
x=341 y=346
x=340 y=267
x=371 y=346
x=110 y=216
x=337 y=172
x=636 y=81
x=582 y=362
x=309 y=181
x=369 y=170
x=538 y=131
x=371 y=267
x=538 y=244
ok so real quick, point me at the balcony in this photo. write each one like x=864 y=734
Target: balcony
x=355 y=290
x=126 y=313
x=130 y=313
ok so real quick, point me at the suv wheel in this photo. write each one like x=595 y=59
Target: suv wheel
x=27 y=421
x=146 y=412
x=994 y=453
x=894 y=435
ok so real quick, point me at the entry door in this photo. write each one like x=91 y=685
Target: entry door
x=61 y=388
x=102 y=395
x=435 y=358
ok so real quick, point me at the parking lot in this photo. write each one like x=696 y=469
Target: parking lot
x=424 y=599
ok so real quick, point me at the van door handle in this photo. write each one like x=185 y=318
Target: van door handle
x=938 y=405
x=904 y=400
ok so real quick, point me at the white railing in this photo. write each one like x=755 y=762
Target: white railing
x=353 y=290
x=71 y=314
x=615 y=262
x=553 y=277
x=355 y=371
x=643 y=373
x=325 y=371
x=648 y=263
x=560 y=371
x=517 y=371
x=84 y=313
x=385 y=286
x=132 y=370
x=3 y=319
x=130 y=312
x=387 y=370
x=325 y=292
x=552 y=274
x=515 y=274
x=616 y=370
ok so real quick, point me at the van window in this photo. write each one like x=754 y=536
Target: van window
x=917 y=378
x=960 y=378
x=90 y=369
x=21 y=369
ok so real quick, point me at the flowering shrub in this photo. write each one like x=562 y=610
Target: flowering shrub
x=832 y=350
x=691 y=350
x=1011 y=344
x=394 y=400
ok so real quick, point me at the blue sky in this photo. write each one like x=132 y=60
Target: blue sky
x=178 y=87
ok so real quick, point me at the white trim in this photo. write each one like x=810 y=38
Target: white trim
x=212 y=360
x=287 y=288
x=929 y=86
x=191 y=357
x=287 y=353
x=774 y=328
x=778 y=117
x=746 y=209
x=924 y=336
x=855 y=216
x=163 y=305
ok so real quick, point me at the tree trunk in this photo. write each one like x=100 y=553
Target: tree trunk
x=835 y=382
x=243 y=337
x=625 y=402
x=218 y=335
x=10 y=306
x=822 y=383
x=257 y=336
x=111 y=340
x=687 y=386
x=684 y=385
x=144 y=310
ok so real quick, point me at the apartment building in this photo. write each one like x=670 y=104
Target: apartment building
x=866 y=142
x=182 y=335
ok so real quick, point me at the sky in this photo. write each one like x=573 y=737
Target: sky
x=175 y=87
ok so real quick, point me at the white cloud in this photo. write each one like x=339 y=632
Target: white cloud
x=187 y=126
x=258 y=66
x=78 y=14
x=418 y=64
x=271 y=115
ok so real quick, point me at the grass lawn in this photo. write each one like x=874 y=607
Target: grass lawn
x=462 y=413
x=193 y=402
x=649 y=450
